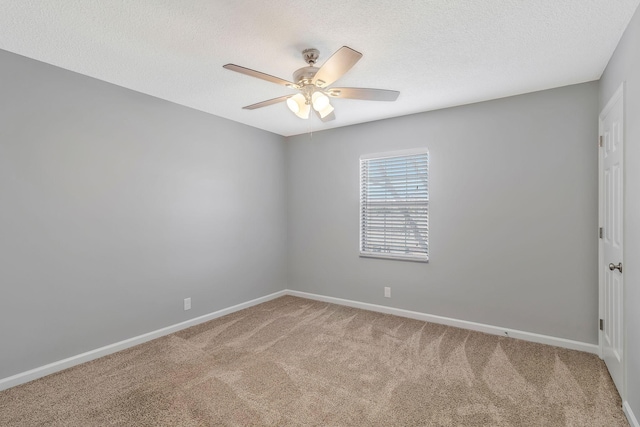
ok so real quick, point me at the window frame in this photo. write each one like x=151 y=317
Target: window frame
x=415 y=257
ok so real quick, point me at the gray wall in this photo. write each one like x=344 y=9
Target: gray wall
x=624 y=66
x=513 y=213
x=114 y=206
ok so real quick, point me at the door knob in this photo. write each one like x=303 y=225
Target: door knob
x=612 y=266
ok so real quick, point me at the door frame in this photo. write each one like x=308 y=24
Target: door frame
x=617 y=96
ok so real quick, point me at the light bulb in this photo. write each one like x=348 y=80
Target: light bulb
x=320 y=101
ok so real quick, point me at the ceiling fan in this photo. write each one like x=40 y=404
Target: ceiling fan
x=314 y=83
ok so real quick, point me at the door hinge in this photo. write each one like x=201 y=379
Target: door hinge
x=602 y=324
x=600 y=233
x=600 y=141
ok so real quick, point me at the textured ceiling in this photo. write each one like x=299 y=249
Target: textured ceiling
x=437 y=53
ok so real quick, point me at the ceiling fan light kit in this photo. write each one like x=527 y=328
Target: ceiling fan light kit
x=313 y=84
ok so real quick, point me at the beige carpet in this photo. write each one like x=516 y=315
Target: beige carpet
x=293 y=361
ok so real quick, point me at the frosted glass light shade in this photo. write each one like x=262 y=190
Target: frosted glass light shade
x=293 y=105
x=295 y=102
x=326 y=111
x=298 y=105
x=304 y=111
x=320 y=101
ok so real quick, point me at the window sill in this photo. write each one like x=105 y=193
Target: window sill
x=395 y=257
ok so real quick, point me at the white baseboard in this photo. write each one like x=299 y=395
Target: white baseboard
x=629 y=413
x=464 y=324
x=51 y=368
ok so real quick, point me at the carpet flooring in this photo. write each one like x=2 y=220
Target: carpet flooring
x=297 y=362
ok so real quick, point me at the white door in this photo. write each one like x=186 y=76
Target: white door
x=611 y=200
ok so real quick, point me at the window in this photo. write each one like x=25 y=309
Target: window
x=394 y=205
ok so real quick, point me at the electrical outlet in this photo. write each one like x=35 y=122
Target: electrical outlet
x=187 y=303
x=387 y=292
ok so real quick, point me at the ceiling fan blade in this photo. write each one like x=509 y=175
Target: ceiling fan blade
x=336 y=66
x=259 y=75
x=326 y=118
x=266 y=103
x=363 y=93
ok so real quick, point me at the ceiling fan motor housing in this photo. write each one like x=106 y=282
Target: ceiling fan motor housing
x=304 y=75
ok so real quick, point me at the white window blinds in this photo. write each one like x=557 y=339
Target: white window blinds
x=394 y=205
